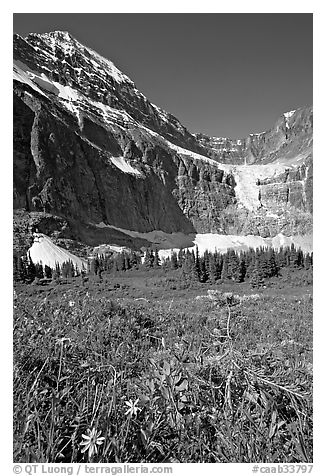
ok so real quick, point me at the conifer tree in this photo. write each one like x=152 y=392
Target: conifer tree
x=257 y=278
x=188 y=271
x=64 y=270
x=181 y=257
x=166 y=264
x=287 y=256
x=133 y=260
x=30 y=269
x=271 y=263
x=94 y=266
x=126 y=261
x=115 y=265
x=39 y=271
x=203 y=274
x=118 y=262
x=219 y=265
x=174 y=260
x=83 y=276
x=250 y=259
x=293 y=257
x=206 y=260
x=233 y=265
x=70 y=269
x=225 y=272
x=197 y=262
x=149 y=259
x=212 y=268
x=157 y=260
x=47 y=271
x=281 y=258
x=241 y=272
x=307 y=261
x=263 y=263
x=56 y=272
x=300 y=258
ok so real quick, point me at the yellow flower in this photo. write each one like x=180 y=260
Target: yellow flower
x=92 y=440
x=133 y=409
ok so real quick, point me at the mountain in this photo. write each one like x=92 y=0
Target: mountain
x=93 y=158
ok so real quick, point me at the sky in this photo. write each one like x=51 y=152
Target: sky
x=225 y=75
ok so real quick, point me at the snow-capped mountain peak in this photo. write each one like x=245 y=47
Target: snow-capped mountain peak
x=69 y=45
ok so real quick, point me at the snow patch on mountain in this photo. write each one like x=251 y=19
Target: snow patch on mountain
x=221 y=243
x=24 y=74
x=124 y=166
x=44 y=251
x=20 y=75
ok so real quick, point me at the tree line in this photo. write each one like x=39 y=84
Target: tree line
x=253 y=265
x=26 y=271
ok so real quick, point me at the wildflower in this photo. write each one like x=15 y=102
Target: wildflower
x=133 y=409
x=92 y=441
x=62 y=340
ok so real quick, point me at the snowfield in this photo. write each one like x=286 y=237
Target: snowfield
x=214 y=242
x=44 y=251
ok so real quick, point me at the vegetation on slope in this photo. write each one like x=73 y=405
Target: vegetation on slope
x=217 y=377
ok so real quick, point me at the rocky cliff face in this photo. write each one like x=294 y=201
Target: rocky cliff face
x=90 y=148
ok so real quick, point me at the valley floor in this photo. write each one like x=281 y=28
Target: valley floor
x=211 y=373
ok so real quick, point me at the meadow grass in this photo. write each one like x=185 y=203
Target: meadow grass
x=151 y=372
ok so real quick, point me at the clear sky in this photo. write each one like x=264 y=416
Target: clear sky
x=225 y=75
